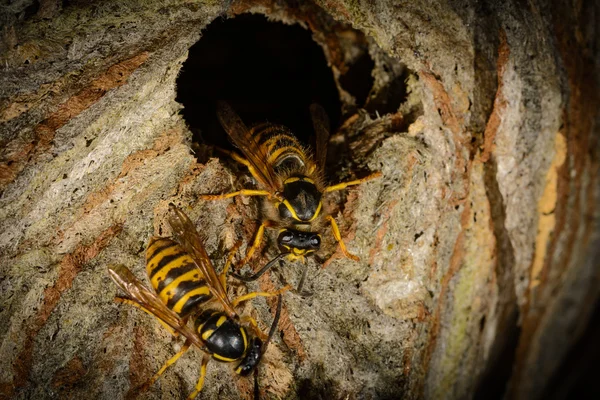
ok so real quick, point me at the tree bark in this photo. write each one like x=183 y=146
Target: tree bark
x=478 y=246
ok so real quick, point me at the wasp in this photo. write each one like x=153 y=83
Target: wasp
x=185 y=283
x=291 y=179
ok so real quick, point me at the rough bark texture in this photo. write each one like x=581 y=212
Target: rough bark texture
x=478 y=246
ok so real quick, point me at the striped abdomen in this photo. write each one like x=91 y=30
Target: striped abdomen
x=283 y=150
x=174 y=276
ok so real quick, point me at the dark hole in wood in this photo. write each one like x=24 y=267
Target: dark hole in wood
x=389 y=98
x=493 y=382
x=31 y=10
x=267 y=71
x=358 y=80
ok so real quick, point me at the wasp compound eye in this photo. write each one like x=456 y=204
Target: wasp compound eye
x=286 y=237
x=315 y=241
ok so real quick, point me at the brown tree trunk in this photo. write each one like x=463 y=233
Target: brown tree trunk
x=479 y=246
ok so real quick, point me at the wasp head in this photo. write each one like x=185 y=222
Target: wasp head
x=298 y=243
x=252 y=358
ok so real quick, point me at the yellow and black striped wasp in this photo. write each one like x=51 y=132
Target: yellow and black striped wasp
x=183 y=279
x=291 y=179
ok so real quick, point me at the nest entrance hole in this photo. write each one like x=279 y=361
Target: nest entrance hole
x=272 y=71
x=267 y=71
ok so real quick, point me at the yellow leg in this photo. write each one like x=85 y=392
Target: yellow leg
x=255 y=245
x=344 y=185
x=243 y=192
x=257 y=241
x=235 y=156
x=169 y=362
x=223 y=275
x=243 y=161
x=249 y=320
x=200 y=384
x=338 y=238
x=133 y=303
x=252 y=295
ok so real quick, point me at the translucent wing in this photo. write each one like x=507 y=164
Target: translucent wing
x=187 y=236
x=138 y=293
x=242 y=138
x=321 y=126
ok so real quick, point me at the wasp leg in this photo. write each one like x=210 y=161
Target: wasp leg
x=241 y=160
x=298 y=290
x=344 y=185
x=200 y=384
x=223 y=274
x=249 y=320
x=133 y=303
x=235 y=156
x=243 y=192
x=260 y=233
x=252 y=295
x=169 y=362
x=338 y=238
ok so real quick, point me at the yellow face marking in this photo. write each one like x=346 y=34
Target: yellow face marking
x=207 y=334
x=221 y=358
x=294 y=257
x=188 y=276
x=221 y=320
x=196 y=292
x=238 y=370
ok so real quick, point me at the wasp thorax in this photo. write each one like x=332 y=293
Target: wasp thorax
x=223 y=337
x=302 y=200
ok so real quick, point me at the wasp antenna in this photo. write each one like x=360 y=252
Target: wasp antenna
x=260 y=272
x=274 y=324
x=256 y=391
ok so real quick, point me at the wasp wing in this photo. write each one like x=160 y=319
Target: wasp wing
x=321 y=126
x=187 y=236
x=138 y=293
x=243 y=139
